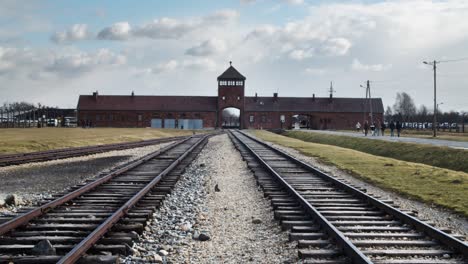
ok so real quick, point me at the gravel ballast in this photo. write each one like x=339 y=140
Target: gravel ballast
x=33 y=181
x=199 y=223
x=441 y=218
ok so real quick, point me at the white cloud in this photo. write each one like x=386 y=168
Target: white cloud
x=315 y=71
x=164 y=28
x=118 y=31
x=336 y=46
x=358 y=66
x=168 y=28
x=76 y=32
x=200 y=64
x=164 y=67
x=208 y=47
x=75 y=63
x=16 y=61
x=294 y=2
x=300 y=54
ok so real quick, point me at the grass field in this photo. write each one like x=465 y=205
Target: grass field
x=17 y=140
x=444 y=157
x=429 y=184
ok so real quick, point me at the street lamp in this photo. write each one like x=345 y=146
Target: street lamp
x=434 y=121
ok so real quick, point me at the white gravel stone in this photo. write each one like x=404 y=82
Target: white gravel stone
x=225 y=216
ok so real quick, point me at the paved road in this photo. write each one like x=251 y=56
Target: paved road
x=434 y=142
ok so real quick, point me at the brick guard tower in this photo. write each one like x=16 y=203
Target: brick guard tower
x=231 y=86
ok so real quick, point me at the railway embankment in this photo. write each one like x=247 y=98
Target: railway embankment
x=437 y=189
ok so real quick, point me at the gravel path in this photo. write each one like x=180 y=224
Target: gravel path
x=34 y=181
x=237 y=219
x=434 y=142
x=441 y=217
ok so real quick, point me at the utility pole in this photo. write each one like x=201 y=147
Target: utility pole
x=434 y=120
x=369 y=99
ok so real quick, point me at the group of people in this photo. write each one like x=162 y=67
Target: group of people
x=379 y=128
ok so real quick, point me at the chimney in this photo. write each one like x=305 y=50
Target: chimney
x=133 y=93
x=95 y=95
x=275 y=97
x=256 y=97
x=331 y=91
x=313 y=97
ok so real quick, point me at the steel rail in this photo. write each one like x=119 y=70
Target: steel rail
x=77 y=251
x=21 y=158
x=443 y=237
x=348 y=248
x=25 y=218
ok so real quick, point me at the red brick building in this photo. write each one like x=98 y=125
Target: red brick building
x=196 y=112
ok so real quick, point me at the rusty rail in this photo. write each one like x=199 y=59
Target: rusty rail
x=25 y=218
x=92 y=238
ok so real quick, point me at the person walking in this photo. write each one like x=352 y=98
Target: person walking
x=382 y=128
x=398 y=128
x=366 y=128
x=377 y=128
x=392 y=127
x=372 y=128
x=358 y=126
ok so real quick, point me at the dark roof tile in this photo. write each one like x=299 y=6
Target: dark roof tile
x=231 y=73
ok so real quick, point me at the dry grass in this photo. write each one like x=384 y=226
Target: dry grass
x=444 y=157
x=17 y=140
x=429 y=184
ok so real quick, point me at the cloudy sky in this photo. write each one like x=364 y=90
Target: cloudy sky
x=52 y=51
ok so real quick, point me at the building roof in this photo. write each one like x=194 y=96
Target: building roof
x=231 y=73
x=209 y=104
x=309 y=104
x=148 y=103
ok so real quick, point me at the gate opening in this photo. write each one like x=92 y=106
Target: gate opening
x=230 y=118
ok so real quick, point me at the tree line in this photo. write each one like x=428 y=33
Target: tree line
x=405 y=110
x=25 y=114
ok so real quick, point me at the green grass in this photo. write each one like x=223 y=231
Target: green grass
x=444 y=157
x=20 y=140
x=433 y=185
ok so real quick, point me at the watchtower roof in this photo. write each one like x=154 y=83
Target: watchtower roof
x=232 y=74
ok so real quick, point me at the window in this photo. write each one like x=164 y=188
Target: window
x=111 y=117
x=224 y=98
x=263 y=118
x=197 y=115
x=251 y=119
x=98 y=118
x=140 y=117
x=239 y=83
x=282 y=118
x=238 y=98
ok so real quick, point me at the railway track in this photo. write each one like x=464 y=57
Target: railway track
x=21 y=158
x=334 y=222
x=96 y=221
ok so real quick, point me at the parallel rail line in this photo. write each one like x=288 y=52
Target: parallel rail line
x=98 y=216
x=21 y=158
x=334 y=222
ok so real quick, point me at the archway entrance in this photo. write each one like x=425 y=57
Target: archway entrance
x=302 y=121
x=230 y=117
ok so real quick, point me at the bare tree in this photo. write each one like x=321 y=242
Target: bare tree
x=388 y=114
x=404 y=106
